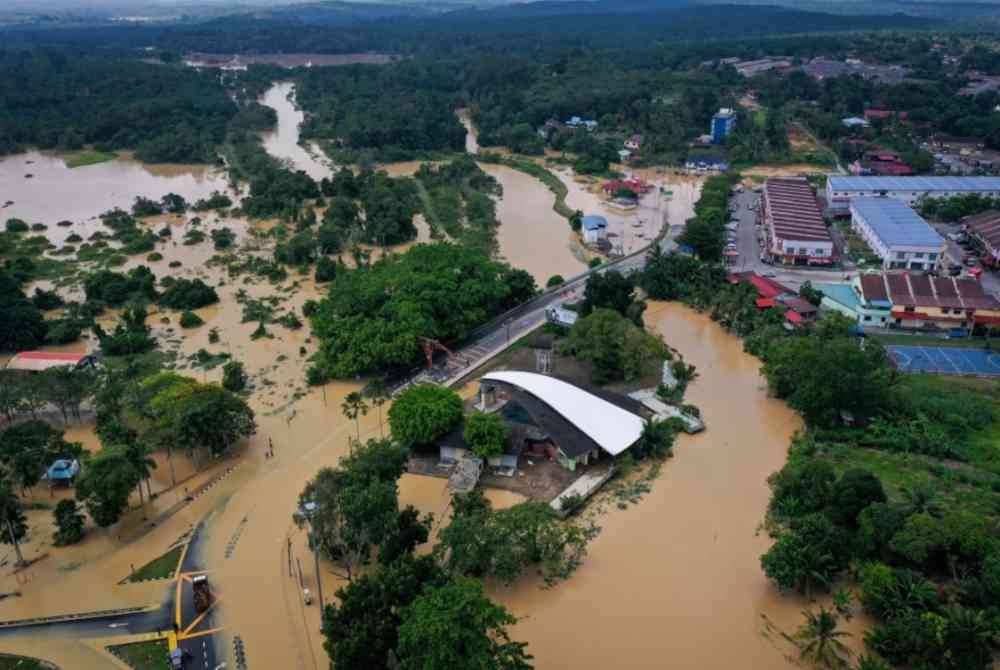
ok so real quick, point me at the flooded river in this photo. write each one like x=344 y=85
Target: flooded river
x=283 y=142
x=675 y=581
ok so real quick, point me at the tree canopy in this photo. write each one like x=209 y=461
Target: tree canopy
x=424 y=413
x=375 y=317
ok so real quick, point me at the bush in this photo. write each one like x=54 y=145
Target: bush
x=234 y=377
x=326 y=269
x=189 y=294
x=555 y=280
x=190 y=320
x=46 y=300
x=69 y=523
x=16 y=226
x=155 y=256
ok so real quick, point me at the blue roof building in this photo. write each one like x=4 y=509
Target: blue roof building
x=63 y=471
x=897 y=234
x=840 y=190
x=595 y=228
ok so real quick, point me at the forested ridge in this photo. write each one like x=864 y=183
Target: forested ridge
x=64 y=99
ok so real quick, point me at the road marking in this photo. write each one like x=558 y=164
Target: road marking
x=203 y=633
x=198 y=619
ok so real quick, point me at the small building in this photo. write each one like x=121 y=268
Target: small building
x=772 y=295
x=703 y=164
x=624 y=156
x=722 y=124
x=985 y=227
x=62 y=472
x=579 y=122
x=864 y=300
x=854 y=122
x=885 y=114
x=637 y=186
x=594 y=228
x=634 y=143
x=795 y=230
x=38 y=361
x=897 y=234
x=561 y=316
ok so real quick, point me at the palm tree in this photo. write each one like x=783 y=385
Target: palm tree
x=15 y=526
x=819 y=642
x=354 y=407
x=378 y=393
x=921 y=498
x=138 y=456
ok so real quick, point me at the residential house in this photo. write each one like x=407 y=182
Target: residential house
x=594 y=228
x=772 y=295
x=854 y=122
x=864 y=300
x=634 y=143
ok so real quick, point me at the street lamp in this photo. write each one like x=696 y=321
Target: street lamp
x=308 y=511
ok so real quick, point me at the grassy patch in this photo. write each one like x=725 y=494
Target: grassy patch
x=144 y=655
x=22 y=663
x=85 y=158
x=159 y=568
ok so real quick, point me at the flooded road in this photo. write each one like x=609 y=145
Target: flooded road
x=283 y=142
x=675 y=581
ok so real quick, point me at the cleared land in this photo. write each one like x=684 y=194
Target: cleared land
x=85 y=158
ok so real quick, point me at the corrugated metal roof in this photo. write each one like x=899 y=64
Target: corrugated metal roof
x=611 y=427
x=895 y=223
x=37 y=361
x=793 y=211
x=842 y=183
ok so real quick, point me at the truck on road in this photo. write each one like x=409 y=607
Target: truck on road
x=202 y=593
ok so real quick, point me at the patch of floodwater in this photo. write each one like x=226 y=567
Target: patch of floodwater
x=676 y=580
x=531 y=235
x=283 y=141
x=56 y=192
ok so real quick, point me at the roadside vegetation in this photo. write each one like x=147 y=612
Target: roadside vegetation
x=162 y=567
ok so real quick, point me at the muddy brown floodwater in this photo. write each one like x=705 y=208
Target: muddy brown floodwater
x=56 y=192
x=675 y=581
x=283 y=142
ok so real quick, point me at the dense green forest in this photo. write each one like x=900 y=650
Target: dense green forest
x=61 y=99
x=388 y=113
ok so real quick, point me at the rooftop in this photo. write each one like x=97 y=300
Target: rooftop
x=794 y=211
x=986 y=225
x=909 y=290
x=840 y=293
x=841 y=183
x=895 y=223
x=36 y=361
x=612 y=428
x=594 y=222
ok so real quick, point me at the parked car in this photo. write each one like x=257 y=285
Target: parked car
x=770 y=274
x=954 y=270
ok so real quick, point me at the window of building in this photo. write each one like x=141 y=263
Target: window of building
x=868 y=318
x=819 y=252
x=945 y=310
x=910 y=308
x=901 y=255
x=932 y=257
x=918 y=254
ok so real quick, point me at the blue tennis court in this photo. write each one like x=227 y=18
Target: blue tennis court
x=945 y=360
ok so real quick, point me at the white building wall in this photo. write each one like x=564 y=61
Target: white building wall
x=907 y=257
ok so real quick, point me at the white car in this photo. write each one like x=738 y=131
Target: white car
x=770 y=274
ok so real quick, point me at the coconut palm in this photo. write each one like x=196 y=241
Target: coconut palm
x=353 y=408
x=138 y=455
x=921 y=498
x=378 y=393
x=820 y=642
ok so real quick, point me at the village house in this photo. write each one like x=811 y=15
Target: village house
x=772 y=295
x=885 y=115
x=634 y=143
x=594 y=229
x=897 y=234
x=38 y=361
x=794 y=227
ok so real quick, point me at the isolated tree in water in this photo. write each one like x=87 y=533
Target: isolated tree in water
x=820 y=642
x=378 y=393
x=354 y=407
x=15 y=526
x=69 y=523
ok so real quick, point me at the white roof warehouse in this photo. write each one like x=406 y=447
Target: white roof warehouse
x=841 y=190
x=897 y=234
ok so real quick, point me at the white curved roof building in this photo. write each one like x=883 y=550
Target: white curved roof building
x=611 y=427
